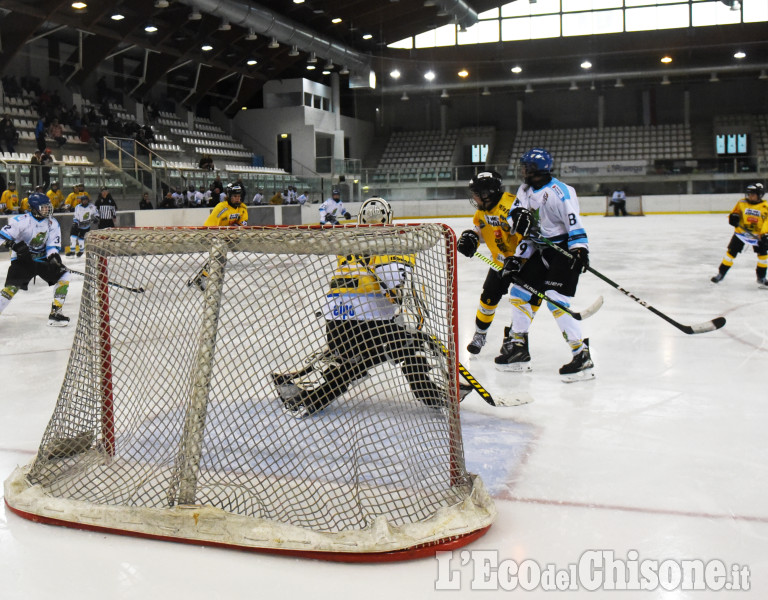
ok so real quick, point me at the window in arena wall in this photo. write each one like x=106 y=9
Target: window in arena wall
x=651 y=18
x=755 y=11
x=714 y=13
x=482 y=32
x=588 y=23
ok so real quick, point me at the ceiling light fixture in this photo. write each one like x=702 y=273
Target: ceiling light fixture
x=344 y=71
x=336 y=21
x=740 y=54
x=252 y=62
x=311 y=67
x=225 y=26
x=486 y=92
x=150 y=29
x=666 y=59
x=251 y=35
x=161 y=3
x=367 y=36
x=444 y=94
x=516 y=69
x=529 y=89
x=273 y=44
x=312 y=58
x=619 y=83
x=194 y=15
x=117 y=17
x=79 y=5
x=429 y=75
x=206 y=48
x=404 y=96
x=665 y=80
x=463 y=73
x=763 y=75
x=586 y=65
x=573 y=87
x=294 y=51
x=329 y=65
x=394 y=74
x=714 y=78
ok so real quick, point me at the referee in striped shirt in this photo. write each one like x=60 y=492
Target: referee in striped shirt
x=107 y=209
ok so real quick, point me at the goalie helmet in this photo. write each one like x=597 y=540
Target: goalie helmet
x=756 y=188
x=375 y=211
x=40 y=206
x=486 y=190
x=535 y=166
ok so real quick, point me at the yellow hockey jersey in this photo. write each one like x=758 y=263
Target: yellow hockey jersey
x=56 y=198
x=9 y=201
x=753 y=220
x=223 y=215
x=493 y=227
x=366 y=288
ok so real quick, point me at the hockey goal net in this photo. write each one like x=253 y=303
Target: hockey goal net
x=170 y=424
x=633 y=206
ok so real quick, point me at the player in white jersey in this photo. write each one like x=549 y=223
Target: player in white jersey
x=557 y=208
x=85 y=215
x=35 y=241
x=333 y=209
x=364 y=327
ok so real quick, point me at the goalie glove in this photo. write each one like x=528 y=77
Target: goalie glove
x=468 y=243
x=734 y=219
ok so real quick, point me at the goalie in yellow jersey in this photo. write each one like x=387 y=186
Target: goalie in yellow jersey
x=227 y=213
x=750 y=219
x=365 y=327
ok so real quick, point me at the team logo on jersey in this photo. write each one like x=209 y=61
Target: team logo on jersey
x=494 y=220
x=38 y=242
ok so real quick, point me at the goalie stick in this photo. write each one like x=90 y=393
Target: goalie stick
x=704 y=327
x=578 y=315
x=135 y=290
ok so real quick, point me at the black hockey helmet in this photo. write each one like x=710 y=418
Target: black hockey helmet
x=234 y=190
x=486 y=190
x=756 y=188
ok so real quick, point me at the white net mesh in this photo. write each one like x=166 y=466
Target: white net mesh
x=260 y=401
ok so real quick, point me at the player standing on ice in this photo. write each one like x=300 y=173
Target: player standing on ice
x=227 y=213
x=490 y=222
x=333 y=209
x=363 y=329
x=557 y=207
x=35 y=239
x=86 y=214
x=750 y=218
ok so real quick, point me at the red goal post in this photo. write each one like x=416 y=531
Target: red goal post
x=168 y=424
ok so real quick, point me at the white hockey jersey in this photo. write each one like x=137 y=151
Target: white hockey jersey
x=558 y=212
x=331 y=208
x=84 y=215
x=43 y=237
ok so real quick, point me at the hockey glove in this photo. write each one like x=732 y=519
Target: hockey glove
x=511 y=269
x=55 y=260
x=580 y=260
x=524 y=220
x=734 y=219
x=22 y=252
x=468 y=243
x=347 y=215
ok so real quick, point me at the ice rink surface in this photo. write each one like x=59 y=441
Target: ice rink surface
x=663 y=457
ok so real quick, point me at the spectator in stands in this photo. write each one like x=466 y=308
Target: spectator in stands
x=206 y=162
x=56 y=132
x=40 y=134
x=217 y=183
x=258 y=198
x=46 y=162
x=179 y=198
x=215 y=197
x=303 y=197
x=9 y=137
x=277 y=198
x=56 y=196
x=107 y=208
x=145 y=203
x=35 y=169
x=619 y=203
x=167 y=201
x=290 y=195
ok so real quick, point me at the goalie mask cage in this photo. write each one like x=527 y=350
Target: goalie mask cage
x=634 y=206
x=168 y=424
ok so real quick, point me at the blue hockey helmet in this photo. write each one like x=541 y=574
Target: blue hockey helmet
x=40 y=206
x=536 y=163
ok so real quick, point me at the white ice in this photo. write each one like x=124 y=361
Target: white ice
x=664 y=453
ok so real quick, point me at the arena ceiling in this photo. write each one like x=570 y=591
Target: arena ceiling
x=281 y=36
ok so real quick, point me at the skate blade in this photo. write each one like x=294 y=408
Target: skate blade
x=514 y=367
x=585 y=375
x=58 y=323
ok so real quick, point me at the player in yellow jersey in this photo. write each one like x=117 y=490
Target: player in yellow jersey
x=365 y=327
x=56 y=196
x=490 y=223
x=227 y=213
x=9 y=201
x=750 y=218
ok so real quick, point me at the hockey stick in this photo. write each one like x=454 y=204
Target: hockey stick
x=578 y=315
x=704 y=327
x=135 y=290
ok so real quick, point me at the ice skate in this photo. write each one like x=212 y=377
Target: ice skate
x=478 y=341
x=717 y=278
x=514 y=353
x=762 y=283
x=57 y=319
x=580 y=368
x=295 y=408
x=70 y=253
x=80 y=253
